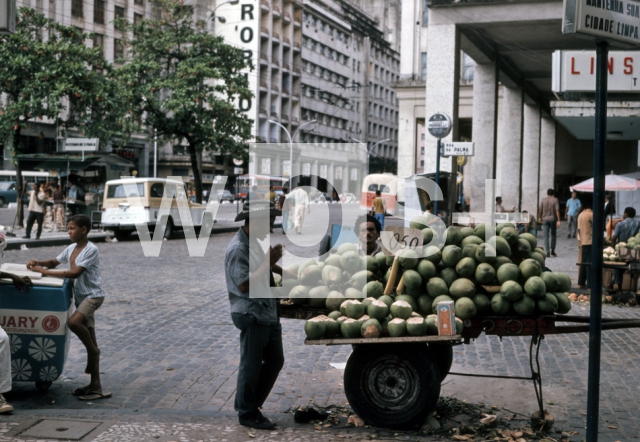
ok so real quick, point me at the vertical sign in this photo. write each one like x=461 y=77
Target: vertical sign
x=617 y=21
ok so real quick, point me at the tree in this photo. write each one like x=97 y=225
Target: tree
x=187 y=84
x=46 y=68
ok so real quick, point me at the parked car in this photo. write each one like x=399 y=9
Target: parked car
x=322 y=197
x=348 y=198
x=8 y=193
x=226 y=196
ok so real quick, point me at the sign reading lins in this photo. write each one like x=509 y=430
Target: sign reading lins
x=241 y=29
x=613 y=20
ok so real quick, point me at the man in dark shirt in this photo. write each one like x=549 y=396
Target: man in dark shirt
x=248 y=272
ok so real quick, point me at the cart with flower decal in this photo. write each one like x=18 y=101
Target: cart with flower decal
x=36 y=322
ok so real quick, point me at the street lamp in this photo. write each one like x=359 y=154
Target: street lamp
x=368 y=151
x=291 y=143
x=220 y=19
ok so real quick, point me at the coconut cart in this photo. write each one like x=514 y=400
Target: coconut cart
x=394 y=382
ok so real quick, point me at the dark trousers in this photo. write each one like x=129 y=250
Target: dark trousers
x=34 y=216
x=584 y=275
x=261 y=359
x=549 y=227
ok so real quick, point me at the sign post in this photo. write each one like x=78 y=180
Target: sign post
x=439 y=126
x=604 y=22
x=81 y=145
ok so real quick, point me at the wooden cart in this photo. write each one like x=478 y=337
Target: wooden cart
x=395 y=382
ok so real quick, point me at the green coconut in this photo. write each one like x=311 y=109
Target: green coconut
x=535 y=287
x=397 y=327
x=353 y=293
x=347 y=247
x=466 y=267
x=432 y=324
x=408 y=259
x=351 y=329
x=351 y=262
x=508 y=272
x=371 y=329
x=425 y=302
x=465 y=308
x=437 y=300
x=298 y=295
x=335 y=315
x=408 y=299
x=373 y=289
x=377 y=310
x=462 y=288
x=310 y=275
x=318 y=296
x=564 y=282
x=482 y=302
x=331 y=275
x=416 y=326
x=449 y=275
x=451 y=255
x=426 y=269
x=525 y=306
x=485 y=273
x=386 y=299
x=547 y=304
x=315 y=328
x=564 y=303
x=551 y=281
x=433 y=254
x=436 y=287
x=499 y=305
x=355 y=310
x=511 y=291
x=332 y=328
x=401 y=309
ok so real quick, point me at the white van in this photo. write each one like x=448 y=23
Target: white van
x=121 y=216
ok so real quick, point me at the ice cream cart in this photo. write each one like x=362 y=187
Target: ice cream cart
x=36 y=322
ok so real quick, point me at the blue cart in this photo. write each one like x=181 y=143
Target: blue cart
x=36 y=322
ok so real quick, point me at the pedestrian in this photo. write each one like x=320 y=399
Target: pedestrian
x=36 y=210
x=272 y=198
x=284 y=205
x=368 y=229
x=609 y=210
x=301 y=203
x=499 y=207
x=377 y=209
x=625 y=229
x=550 y=215
x=573 y=209
x=585 y=239
x=58 y=205
x=254 y=311
x=23 y=284
x=84 y=268
x=253 y=194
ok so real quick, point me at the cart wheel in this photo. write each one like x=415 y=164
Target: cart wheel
x=43 y=385
x=391 y=386
x=442 y=356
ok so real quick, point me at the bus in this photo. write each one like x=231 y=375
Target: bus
x=388 y=184
x=244 y=184
x=27 y=176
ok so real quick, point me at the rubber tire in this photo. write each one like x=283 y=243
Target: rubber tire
x=416 y=376
x=43 y=385
x=122 y=235
x=168 y=230
x=1 y=202
x=442 y=356
x=325 y=246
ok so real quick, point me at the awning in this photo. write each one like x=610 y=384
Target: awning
x=62 y=162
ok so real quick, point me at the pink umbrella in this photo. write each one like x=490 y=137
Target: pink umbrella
x=611 y=183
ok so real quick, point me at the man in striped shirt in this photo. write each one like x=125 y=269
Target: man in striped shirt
x=84 y=268
x=625 y=229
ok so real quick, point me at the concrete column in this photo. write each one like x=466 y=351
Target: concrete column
x=485 y=112
x=530 y=158
x=509 y=145
x=547 y=154
x=443 y=82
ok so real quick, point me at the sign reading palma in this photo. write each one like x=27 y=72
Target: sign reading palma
x=617 y=21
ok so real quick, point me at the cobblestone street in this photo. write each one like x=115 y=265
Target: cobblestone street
x=170 y=356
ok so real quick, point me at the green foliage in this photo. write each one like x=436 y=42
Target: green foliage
x=186 y=83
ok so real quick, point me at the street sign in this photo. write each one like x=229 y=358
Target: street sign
x=439 y=125
x=238 y=171
x=615 y=21
x=574 y=71
x=81 y=144
x=7 y=17
x=238 y=162
x=458 y=148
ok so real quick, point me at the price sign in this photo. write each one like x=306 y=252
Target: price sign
x=396 y=239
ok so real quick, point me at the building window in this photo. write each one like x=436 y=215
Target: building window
x=98 y=41
x=422 y=150
x=76 y=8
x=423 y=66
x=425 y=13
x=98 y=11
x=179 y=172
x=119 y=12
x=468 y=69
x=118 y=49
x=137 y=18
x=139 y=2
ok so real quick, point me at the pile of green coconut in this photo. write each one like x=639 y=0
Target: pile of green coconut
x=395 y=296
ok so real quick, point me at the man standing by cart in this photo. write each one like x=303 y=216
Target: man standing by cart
x=248 y=272
x=550 y=215
x=573 y=209
x=22 y=284
x=625 y=229
x=301 y=203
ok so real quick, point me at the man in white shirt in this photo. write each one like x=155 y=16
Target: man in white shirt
x=36 y=210
x=301 y=203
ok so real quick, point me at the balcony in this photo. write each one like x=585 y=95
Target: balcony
x=274 y=115
x=276 y=11
x=275 y=63
x=297 y=71
x=296 y=46
x=264 y=32
x=286 y=41
x=263 y=113
x=285 y=118
x=263 y=86
x=275 y=36
x=294 y=121
x=264 y=59
x=286 y=17
x=275 y=89
x=286 y=66
x=285 y=92
x=273 y=140
x=265 y=6
x=260 y=139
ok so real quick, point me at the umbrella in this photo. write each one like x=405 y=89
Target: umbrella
x=611 y=183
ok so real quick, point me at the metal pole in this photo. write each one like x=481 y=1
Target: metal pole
x=155 y=153
x=595 y=323
x=435 y=203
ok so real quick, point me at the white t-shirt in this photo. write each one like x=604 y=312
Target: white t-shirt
x=89 y=284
